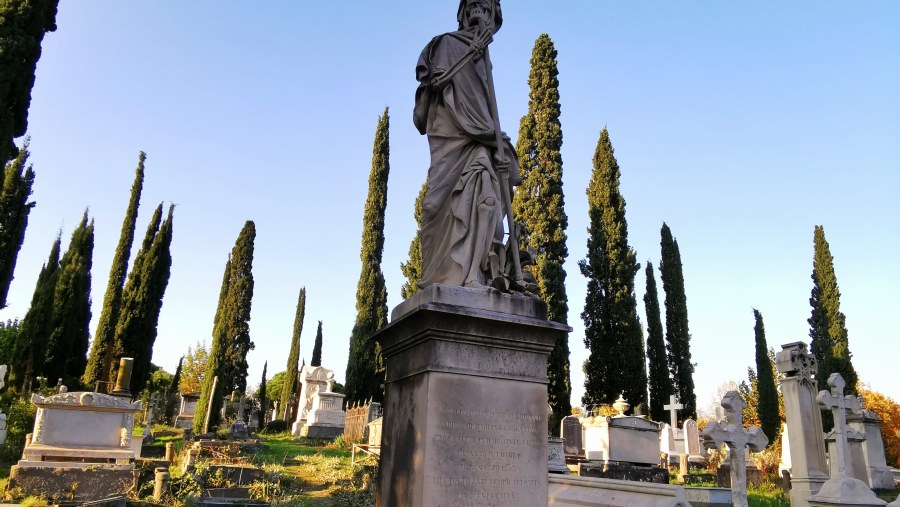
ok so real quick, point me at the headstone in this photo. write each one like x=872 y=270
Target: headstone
x=843 y=489
x=855 y=443
x=374 y=433
x=313 y=379
x=3 y=369
x=731 y=432
x=667 y=445
x=572 y=434
x=878 y=473
x=187 y=408
x=238 y=429
x=804 y=422
x=556 y=459
x=326 y=418
x=785 y=464
x=692 y=442
x=122 y=388
x=625 y=439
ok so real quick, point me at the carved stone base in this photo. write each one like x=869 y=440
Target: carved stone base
x=845 y=491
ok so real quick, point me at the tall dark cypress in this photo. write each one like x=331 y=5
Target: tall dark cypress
x=173 y=392
x=678 y=337
x=30 y=350
x=237 y=314
x=613 y=336
x=317 y=348
x=263 y=402
x=365 y=368
x=827 y=324
x=412 y=268
x=69 y=334
x=539 y=206
x=99 y=366
x=23 y=24
x=767 y=407
x=142 y=301
x=14 y=211
x=291 y=370
x=658 y=379
x=215 y=362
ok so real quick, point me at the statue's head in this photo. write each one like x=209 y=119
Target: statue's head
x=471 y=12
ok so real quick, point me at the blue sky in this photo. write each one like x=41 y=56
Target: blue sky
x=741 y=125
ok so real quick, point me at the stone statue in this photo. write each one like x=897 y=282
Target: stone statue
x=473 y=164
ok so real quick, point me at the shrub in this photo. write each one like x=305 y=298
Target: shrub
x=276 y=426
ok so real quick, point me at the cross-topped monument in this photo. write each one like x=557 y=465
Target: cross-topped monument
x=843 y=489
x=673 y=407
x=733 y=434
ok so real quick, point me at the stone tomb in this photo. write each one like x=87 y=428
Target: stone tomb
x=185 y=418
x=81 y=438
x=326 y=418
x=623 y=438
x=313 y=380
x=465 y=409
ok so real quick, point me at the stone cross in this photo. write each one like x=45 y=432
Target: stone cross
x=732 y=433
x=240 y=414
x=839 y=404
x=673 y=407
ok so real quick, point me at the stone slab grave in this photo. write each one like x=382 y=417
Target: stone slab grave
x=842 y=489
x=314 y=380
x=568 y=491
x=878 y=474
x=731 y=432
x=186 y=410
x=465 y=408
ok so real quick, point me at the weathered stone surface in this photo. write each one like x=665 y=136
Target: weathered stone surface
x=573 y=436
x=566 y=491
x=708 y=497
x=514 y=304
x=879 y=475
x=67 y=484
x=556 y=456
x=629 y=439
x=465 y=408
x=185 y=418
x=313 y=380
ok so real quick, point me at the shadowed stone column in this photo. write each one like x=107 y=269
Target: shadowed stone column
x=465 y=409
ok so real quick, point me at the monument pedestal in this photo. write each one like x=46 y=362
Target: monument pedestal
x=465 y=409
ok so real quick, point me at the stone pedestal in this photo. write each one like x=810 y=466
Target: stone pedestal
x=879 y=475
x=465 y=409
x=326 y=418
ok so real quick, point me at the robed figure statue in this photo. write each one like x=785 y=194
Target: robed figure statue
x=473 y=164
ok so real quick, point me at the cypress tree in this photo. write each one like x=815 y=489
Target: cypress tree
x=30 y=349
x=539 y=206
x=142 y=301
x=659 y=382
x=237 y=314
x=827 y=324
x=678 y=337
x=317 y=348
x=23 y=24
x=412 y=268
x=261 y=414
x=14 y=211
x=613 y=334
x=767 y=408
x=172 y=392
x=69 y=328
x=215 y=361
x=365 y=369
x=291 y=374
x=100 y=361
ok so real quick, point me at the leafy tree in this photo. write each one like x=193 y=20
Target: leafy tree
x=750 y=393
x=142 y=298
x=9 y=334
x=317 y=348
x=100 y=361
x=231 y=332
x=69 y=332
x=193 y=369
x=612 y=328
x=678 y=338
x=769 y=419
x=539 y=206
x=658 y=379
x=365 y=369
x=14 y=211
x=263 y=402
x=30 y=350
x=292 y=373
x=275 y=385
x=23 y=24
x=888 y=411
x=827 y=324
x=412 y=268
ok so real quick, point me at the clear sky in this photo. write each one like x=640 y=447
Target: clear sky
x=741 y=125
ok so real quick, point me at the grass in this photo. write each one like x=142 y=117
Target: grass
x=767 y=494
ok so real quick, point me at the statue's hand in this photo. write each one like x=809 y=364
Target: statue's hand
x=437 y=78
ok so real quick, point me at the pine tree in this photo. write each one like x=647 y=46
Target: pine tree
x=100 y=361
x=539 y=206
x=291 y=373
x=23 y=24
x=678 y=338
x=365 y=369
x=827 y=324
x=767 y=408
x=659 y=382
x=14 y=211
x=215 y=364
x=412 y=268
x=317 y=348
x=261 y=414
x=142 y=301
x=30 y=350
x=613 y=336
x=69 y=332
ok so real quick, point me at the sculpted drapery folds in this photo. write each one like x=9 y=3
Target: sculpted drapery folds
x=462 y=214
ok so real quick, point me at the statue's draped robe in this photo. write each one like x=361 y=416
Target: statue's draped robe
x=462 y=213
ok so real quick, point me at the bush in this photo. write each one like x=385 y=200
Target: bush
x=19 y=422
x=276 y=426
